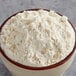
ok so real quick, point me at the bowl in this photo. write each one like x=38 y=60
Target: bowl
x=18 y=69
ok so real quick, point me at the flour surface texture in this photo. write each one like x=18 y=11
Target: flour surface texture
x=37 y=38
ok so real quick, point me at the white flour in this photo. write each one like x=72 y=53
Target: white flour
x=37 y=38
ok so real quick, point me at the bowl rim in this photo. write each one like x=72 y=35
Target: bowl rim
x=43 y=67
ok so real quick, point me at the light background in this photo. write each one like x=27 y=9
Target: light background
x=65 y=7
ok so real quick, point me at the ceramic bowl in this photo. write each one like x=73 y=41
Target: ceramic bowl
x=18 y=69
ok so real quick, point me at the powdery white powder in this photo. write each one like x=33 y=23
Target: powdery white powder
x=37 y=38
